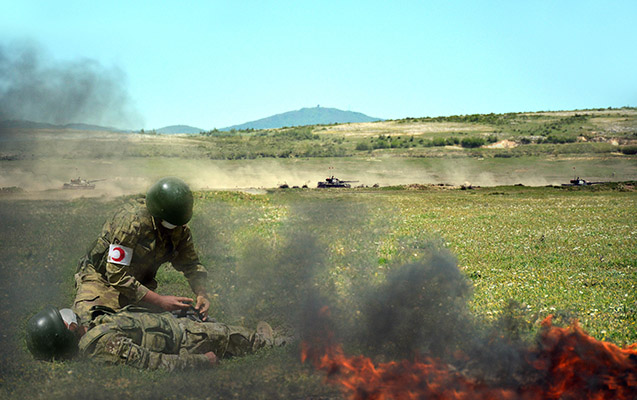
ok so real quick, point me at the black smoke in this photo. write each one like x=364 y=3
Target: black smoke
x=273 y=276
x=421 y=310
x=35 y=87
x=421 y=307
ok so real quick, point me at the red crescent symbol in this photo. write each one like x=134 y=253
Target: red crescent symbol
x=121 y=256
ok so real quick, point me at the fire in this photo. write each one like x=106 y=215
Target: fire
x=570 y=365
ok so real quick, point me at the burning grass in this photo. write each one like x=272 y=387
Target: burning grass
x=566 y=362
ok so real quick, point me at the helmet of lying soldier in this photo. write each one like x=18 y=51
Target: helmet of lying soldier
x=50 y=334
x=170 y=200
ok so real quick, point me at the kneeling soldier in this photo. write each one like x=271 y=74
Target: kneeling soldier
x=120 y=266
x=146 y=340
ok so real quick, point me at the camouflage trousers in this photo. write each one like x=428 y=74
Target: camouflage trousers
x=93 y=290
x=224 y=340
x=142 y=339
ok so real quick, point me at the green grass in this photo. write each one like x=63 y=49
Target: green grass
x=527 y=251
x=565 y=251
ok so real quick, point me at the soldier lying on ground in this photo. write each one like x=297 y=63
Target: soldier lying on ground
x=120 y=266
x=147 y=340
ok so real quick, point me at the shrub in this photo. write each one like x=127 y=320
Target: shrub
x=363 y=146
x=472 y=142
x=381 y=144
x=299 y=133
x=629 y=150
x=560 y=139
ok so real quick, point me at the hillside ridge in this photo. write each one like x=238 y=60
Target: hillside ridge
x=305 y=116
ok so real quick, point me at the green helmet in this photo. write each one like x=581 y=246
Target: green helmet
x=170 y=199
x=48 y=337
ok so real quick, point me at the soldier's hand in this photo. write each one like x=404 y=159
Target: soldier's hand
x=212 y=358
x=203 y=304
x=172 y=303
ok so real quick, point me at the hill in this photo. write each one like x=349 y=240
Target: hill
x=305 y=116
x=31 y=125
x=174 y=129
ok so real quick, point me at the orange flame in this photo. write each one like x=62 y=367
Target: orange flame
x=572 y=365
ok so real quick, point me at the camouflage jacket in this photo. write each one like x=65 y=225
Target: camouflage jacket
x=140 y=339
x=152 y=245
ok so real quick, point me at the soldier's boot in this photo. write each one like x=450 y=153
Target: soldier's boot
x=241 y=343
x=272 y=339
x=264 y=330
x=283 y=340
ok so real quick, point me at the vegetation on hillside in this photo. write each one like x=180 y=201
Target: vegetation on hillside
x=280 y=143
x=595 y=131
x=587 y=132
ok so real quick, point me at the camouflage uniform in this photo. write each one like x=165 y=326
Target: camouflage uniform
x=99 y=282
x=147 y=340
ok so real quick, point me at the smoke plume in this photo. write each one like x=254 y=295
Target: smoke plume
x=35 y=87
x=420 y=307
x=272 y=276
x=421 y=310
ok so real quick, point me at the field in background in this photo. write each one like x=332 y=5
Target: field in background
x=527 y=252
x=45 y=178
x=533 y=149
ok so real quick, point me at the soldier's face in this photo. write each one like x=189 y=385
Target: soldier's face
x=71 y=321
x=68 y=316
x=78 y=330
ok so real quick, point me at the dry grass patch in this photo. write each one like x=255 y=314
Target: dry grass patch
x=502 y=144
x=395 y=128
x=621 y=111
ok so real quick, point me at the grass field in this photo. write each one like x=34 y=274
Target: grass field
x=511 y=255
x=526 y=252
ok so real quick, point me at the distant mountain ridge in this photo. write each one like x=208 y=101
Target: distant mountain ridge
x=305 y=116
x=175 y=129
x=23 y=124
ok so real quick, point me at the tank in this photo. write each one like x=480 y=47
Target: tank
x=333 y=182
x=80 y=183
x=580 y=182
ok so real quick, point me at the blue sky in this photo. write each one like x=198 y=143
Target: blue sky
x=218 y=63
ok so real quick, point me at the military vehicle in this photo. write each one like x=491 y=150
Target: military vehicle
x=332 y=182
x=80 y=183
x=580 y=182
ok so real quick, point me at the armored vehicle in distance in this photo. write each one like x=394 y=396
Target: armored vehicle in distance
x=580 y=182
x=80 y=183
x=333 y=182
